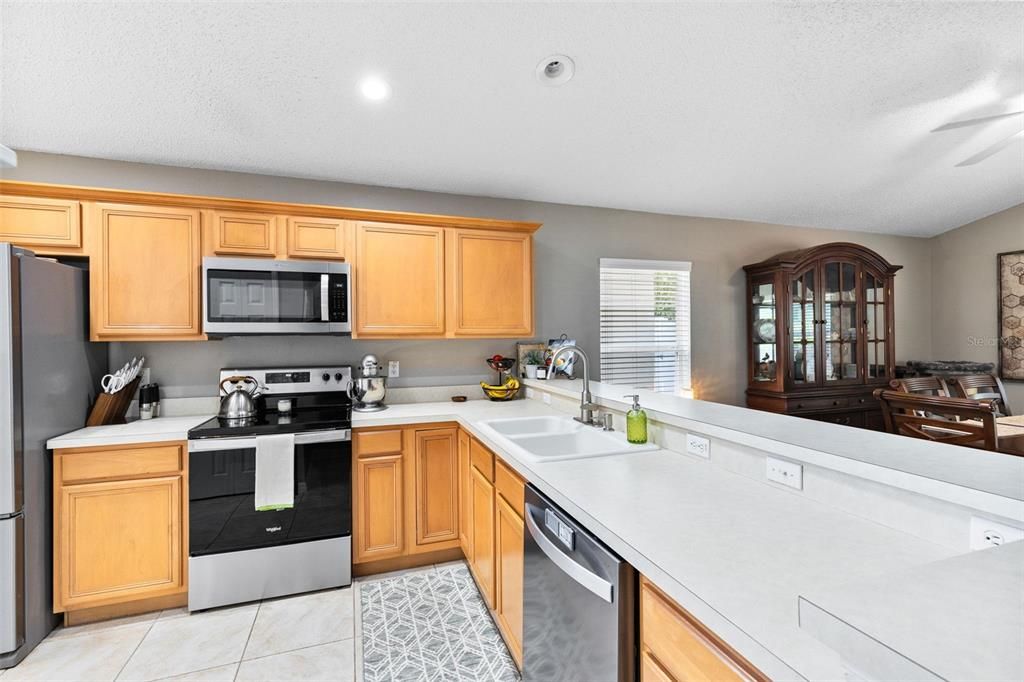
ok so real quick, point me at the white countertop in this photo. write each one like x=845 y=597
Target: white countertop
x=736 y=552
x=983 y=592
x=141 y=431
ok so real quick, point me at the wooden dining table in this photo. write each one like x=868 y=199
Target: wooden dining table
x=1011 y=434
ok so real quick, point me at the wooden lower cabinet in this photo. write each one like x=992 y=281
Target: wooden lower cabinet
x=493 y=543
x=482 y=565
x=379 y=498
x=676 y=647
x=465 y=497
x=437 y=491
x=508 y=545
x=405 y=497
x=120 y=529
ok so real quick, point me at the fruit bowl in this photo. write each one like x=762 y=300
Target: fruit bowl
x=500 y=364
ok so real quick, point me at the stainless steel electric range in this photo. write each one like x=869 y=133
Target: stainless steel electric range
x=238 y=554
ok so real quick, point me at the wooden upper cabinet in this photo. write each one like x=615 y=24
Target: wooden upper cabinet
x=145 y=273
x=241 y=234
x=490 y=283
x=41 y=224
x=399 y=280
x=320 y=238
x=437 y=492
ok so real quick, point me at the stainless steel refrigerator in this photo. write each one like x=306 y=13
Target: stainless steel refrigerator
x=48 y=376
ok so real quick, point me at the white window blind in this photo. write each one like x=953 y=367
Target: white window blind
x=645 y=324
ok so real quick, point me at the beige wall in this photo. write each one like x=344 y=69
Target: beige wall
x=964 y=308
x=566 y=261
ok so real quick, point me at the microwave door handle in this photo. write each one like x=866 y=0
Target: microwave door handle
x=325 y=308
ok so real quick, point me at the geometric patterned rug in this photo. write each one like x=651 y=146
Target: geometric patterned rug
x=431 y=626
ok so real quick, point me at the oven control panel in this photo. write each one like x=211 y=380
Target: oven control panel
x=296 y=379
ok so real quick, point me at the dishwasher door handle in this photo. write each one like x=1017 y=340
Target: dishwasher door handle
x=595 y=583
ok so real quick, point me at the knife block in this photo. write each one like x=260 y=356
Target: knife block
x=110 y=408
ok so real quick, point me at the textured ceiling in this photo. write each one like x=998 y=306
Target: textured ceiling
x=811 y=114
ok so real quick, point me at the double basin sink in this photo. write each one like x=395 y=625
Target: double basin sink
x=549 y=439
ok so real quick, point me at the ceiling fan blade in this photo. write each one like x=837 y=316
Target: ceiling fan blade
x=985 y=153
x=975 y=121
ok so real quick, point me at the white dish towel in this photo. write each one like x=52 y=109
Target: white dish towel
x=275 y=472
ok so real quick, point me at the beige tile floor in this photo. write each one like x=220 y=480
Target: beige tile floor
x=306 y=637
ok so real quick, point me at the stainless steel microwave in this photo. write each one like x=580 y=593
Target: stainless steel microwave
x=246 y=296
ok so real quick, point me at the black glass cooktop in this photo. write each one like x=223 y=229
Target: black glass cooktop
x=275 y=422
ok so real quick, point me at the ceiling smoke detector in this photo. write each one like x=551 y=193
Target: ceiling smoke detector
x=555 y=70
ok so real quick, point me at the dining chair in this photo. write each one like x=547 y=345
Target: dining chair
x=940 y=419
x=922 y=386
x=982 y=387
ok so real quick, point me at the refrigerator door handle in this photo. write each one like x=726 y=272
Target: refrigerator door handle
x=596 y=584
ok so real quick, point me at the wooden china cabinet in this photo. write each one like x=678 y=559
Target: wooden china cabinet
x=820 y=333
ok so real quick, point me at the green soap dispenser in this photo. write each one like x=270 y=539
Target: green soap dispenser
x=636 y=422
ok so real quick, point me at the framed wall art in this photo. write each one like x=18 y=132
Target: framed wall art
x=1011 y=315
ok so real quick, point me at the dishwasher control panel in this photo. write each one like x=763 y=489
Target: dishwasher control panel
x=565 y=534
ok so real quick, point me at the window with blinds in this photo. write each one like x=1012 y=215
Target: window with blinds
x=645 y=324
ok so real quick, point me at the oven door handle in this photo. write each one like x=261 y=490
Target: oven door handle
x=325 y=308
x=305 y=438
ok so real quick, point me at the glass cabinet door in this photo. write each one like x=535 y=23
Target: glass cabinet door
x=763 y=335
x=876 y=331
x=803 y=368
x=841 y=323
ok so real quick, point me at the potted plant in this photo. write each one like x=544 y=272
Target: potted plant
x=531 y=361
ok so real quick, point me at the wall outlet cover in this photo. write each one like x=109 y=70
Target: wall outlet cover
x=547 y=398
x=392 y=368
x=530 y=392
x=698 y=445
x=787 y=473
x=986 y=533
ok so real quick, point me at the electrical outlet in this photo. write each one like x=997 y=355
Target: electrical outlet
x=987 y=533
x=698 y=445
x=547 y=398
x=145 y=376
x=786 y=473
x=530 y=392
x=392 y=369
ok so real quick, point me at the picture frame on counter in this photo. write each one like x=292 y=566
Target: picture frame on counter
x=530 y=351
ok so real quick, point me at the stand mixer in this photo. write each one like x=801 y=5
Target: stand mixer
x=369 y=386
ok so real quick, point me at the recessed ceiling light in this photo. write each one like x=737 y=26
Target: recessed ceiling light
x=375 y=88
x=555 y=70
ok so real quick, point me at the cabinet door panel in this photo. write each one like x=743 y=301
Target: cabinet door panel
x=119 y=540
x=242 y=234
x=509 y=579
x=437 y=507
x=36 y=222
x=483 y=535
x=465 y=497
x=379 y=509
x=399 y=280
x=490 y=283
x=322 y=238
x=145 y=280
x=684 y=648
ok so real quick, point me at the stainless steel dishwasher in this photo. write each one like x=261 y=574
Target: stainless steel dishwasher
x=579 y=610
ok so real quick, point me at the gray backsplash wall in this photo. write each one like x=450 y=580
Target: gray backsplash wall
x=566 y=253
